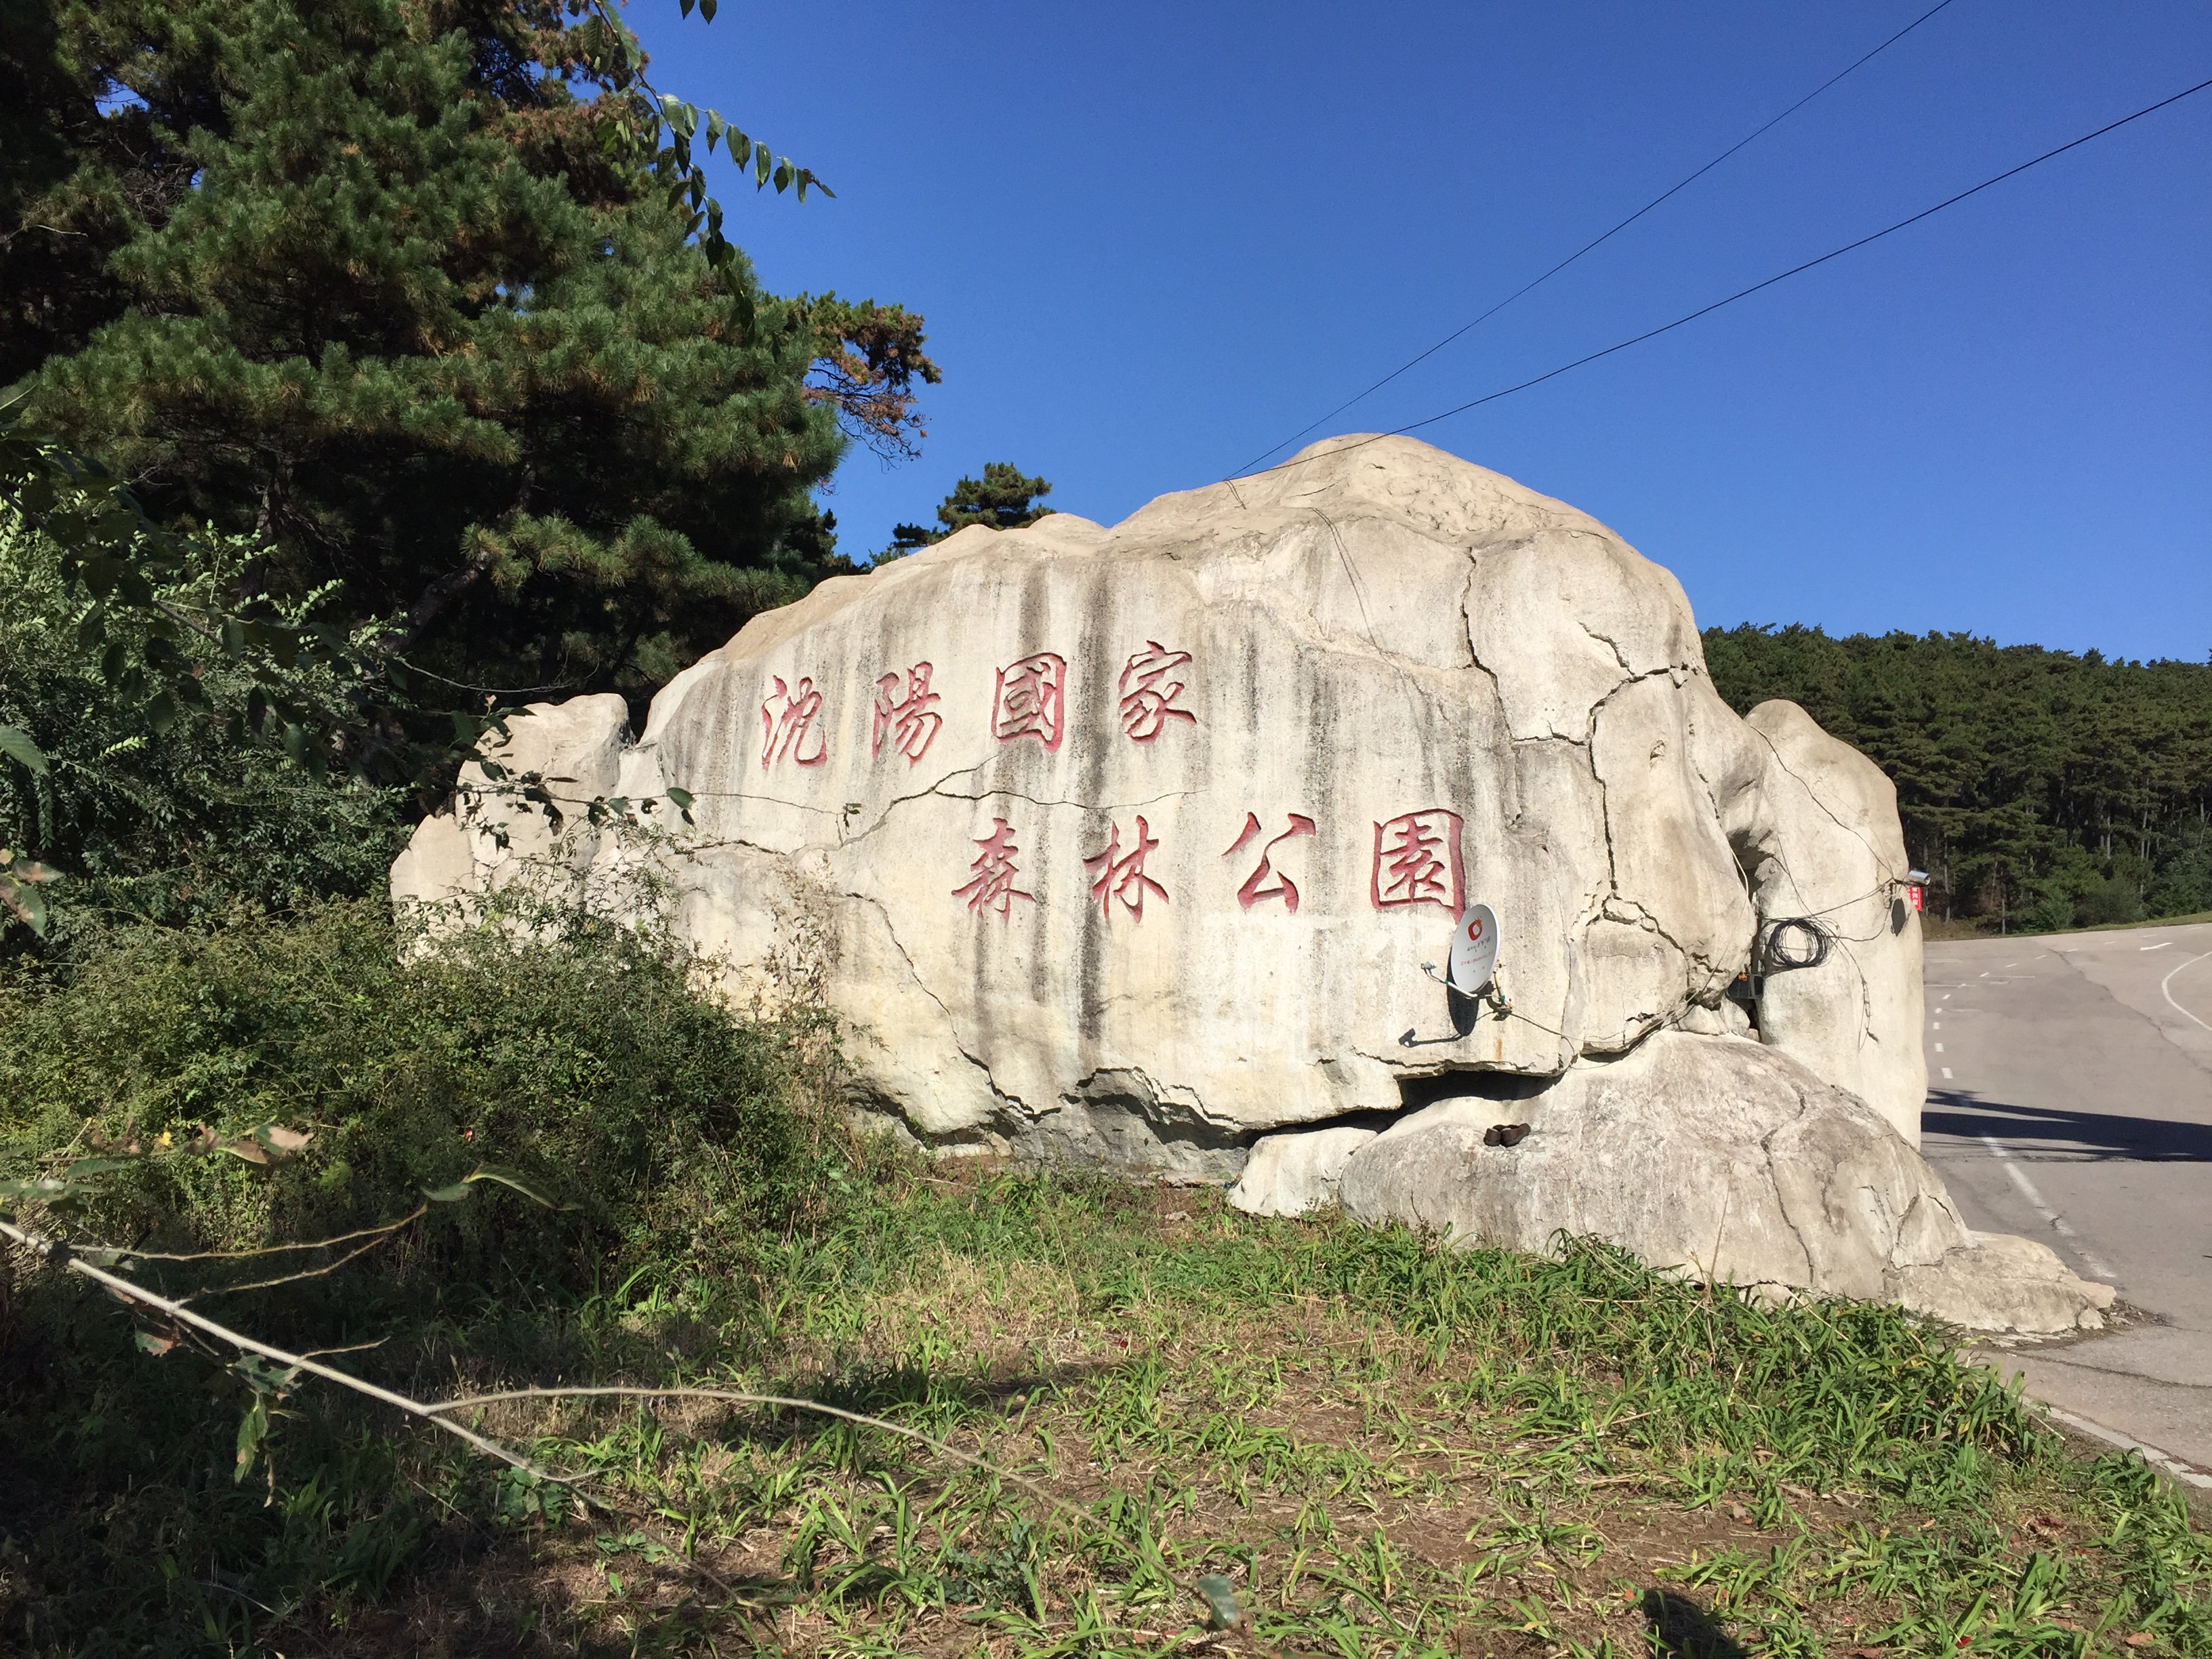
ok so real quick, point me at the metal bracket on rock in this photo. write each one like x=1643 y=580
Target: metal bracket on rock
x=1463 y=1008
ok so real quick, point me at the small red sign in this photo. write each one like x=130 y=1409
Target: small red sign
x=1917 y=894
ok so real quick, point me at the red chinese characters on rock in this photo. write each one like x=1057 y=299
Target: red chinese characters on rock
x=1266 y=882
x=788 y=715
x=1417 y=862
x=1121 y=875
x=1148 y=693
x=1031 y=700
x=993 y=873
x=903 y=714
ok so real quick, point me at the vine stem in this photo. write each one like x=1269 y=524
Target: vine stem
x=55 y=1251
x=435 y=1412
x=738 y=1396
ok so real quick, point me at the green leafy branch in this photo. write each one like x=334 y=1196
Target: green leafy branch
x=269 y=1373
x=167 y=647
x=610 y=50
x=125 y=564
x=20 y=875
x=69 y=1184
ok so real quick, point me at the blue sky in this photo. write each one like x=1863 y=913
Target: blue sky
x=1150 y=241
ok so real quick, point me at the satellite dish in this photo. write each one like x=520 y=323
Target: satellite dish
x=1473 y=951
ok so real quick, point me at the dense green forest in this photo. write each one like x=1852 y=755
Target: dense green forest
x=2039 y=788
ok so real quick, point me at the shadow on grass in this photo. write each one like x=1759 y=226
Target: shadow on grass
x=1681 y=1627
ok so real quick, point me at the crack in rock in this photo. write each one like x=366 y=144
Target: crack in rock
x=1618 y=656
x=951 y=1025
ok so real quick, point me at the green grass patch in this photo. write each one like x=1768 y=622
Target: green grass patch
x=1197 y=1430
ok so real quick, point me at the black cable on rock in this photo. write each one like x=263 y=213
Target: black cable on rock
x=1775 y=956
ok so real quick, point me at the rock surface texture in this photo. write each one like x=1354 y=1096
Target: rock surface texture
x=1724 y=1158
x=1127 y=846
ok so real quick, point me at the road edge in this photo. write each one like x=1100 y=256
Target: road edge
x=2193 y=1483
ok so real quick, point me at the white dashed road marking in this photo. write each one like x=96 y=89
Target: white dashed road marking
x=2058 y=1224
x=2161 y=946
x=1947 y=1073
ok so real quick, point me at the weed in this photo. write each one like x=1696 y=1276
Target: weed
x=1380 y=1447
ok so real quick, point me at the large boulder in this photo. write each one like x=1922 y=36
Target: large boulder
x=1127 y=845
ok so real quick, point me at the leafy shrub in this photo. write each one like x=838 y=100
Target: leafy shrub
x=172 y=823
x=2051 y=914
x=573 y=1053
x=583 y=1063
x=2107 y=900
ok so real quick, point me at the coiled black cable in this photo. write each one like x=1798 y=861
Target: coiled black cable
x=1773 y=956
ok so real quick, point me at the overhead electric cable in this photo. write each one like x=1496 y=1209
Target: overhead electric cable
x=1745 y=293
x=1608 y=236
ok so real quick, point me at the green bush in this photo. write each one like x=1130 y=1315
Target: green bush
x=2107 y=900
x=583 y=1063
x=677 y=1137
x=171 y=824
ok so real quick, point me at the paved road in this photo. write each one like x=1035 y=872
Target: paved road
x=2069 y=1099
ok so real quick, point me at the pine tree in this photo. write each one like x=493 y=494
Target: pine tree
x=2038 y=787
x=389 y=286
x=1004 y=498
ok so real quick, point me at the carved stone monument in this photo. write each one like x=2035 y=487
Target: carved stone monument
x=1127 y=846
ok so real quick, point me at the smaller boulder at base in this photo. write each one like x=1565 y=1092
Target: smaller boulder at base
x=1996 y=1282
x=1290 y=1175
x=1722 y=1159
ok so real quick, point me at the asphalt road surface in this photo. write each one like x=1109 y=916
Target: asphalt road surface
x=2070 y=1100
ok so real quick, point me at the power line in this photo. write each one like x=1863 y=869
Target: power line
x=1608 y=235
x=1745 y=293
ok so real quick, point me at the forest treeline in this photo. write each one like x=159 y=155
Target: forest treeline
x=2039 y=788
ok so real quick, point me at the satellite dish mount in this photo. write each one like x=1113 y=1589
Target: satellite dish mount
x=1470 y=977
